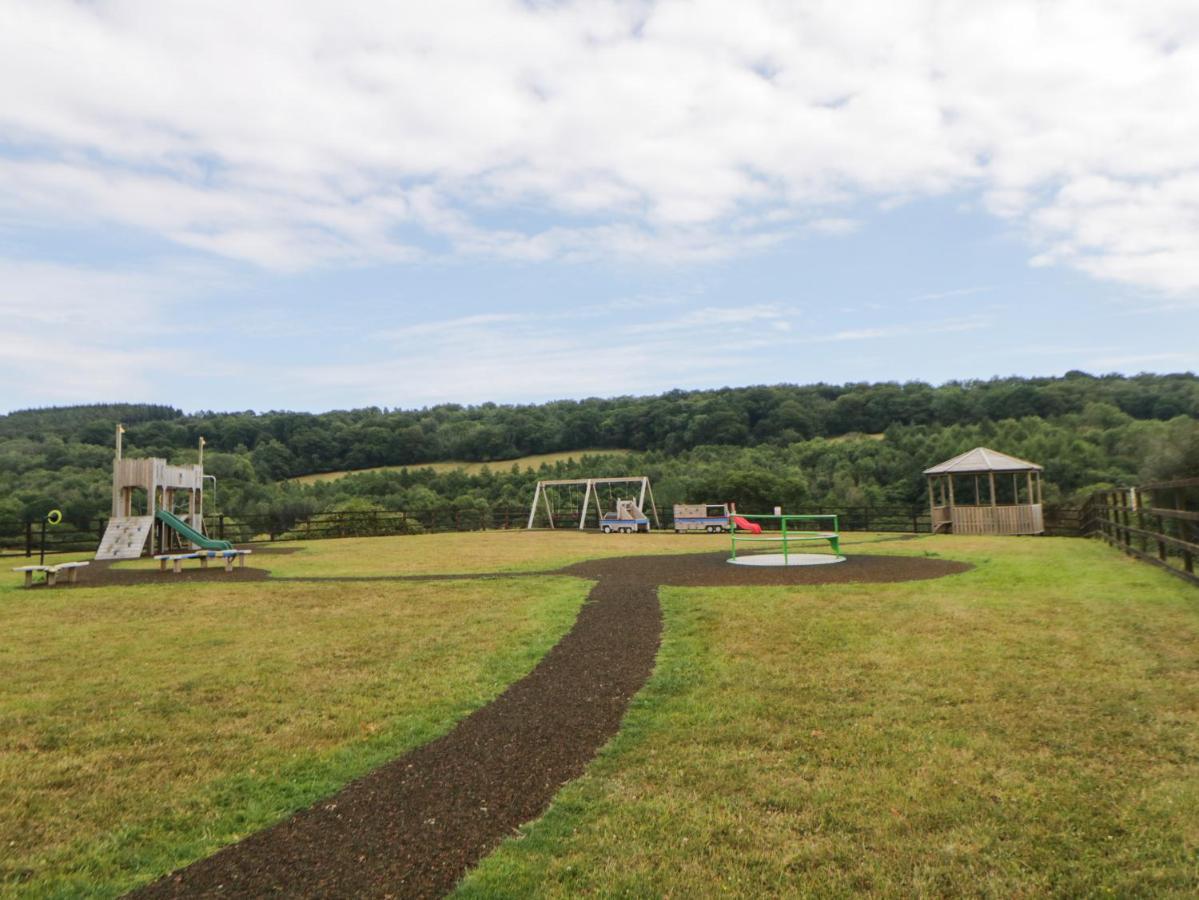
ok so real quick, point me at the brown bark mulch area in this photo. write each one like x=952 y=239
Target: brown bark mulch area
x=413 y=827
x=714 y=570
x=102 y=573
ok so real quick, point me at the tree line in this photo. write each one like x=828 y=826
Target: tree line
x=794 y=445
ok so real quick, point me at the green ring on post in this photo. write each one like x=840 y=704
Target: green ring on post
x=54 y=517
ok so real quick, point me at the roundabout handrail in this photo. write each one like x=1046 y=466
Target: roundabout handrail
x=785 y=536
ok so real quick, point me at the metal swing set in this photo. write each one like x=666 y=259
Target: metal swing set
x=625 y=516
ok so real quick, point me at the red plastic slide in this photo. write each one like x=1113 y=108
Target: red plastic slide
x=747 y=525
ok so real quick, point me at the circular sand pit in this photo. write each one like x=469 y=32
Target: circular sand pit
x=793 y=559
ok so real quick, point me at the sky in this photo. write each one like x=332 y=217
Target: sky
x=296 y=205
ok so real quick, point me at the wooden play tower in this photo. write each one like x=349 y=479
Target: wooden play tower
x=983 y=491
x=141 y=488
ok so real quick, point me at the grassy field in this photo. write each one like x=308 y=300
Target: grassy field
x=142 y=728
x=1027 y=728
x=471 y=468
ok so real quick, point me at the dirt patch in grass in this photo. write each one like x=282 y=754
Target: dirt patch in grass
x=102 y=573
x=414 y=826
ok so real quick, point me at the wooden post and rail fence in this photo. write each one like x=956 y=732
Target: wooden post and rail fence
x=1156 y=522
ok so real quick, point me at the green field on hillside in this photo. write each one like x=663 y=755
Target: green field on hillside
x=470 y=468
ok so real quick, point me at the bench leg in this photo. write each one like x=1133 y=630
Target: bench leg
x=51 y=578
x=203 y=562
x=72 y=576
x=241 y=560
x=28 y=579
x=228 y=563
x=162 y=565
x=176 y=566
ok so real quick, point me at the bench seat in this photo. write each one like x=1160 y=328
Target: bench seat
x=51 y=572
x=176 y=559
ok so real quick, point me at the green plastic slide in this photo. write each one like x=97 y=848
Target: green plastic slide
x=176 y=524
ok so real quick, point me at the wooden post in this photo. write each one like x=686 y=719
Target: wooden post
x=533 y=508
x=1188 y=561
x=1125 y=519
x=586 y=501
x=653 y=505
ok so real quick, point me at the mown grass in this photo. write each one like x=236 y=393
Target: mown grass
x=1028 y=728
x=534 y=461
x=142 y=728
x=468 y=552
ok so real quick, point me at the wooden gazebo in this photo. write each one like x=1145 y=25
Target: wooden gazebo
x=986 y=492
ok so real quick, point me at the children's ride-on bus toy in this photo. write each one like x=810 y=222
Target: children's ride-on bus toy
x=627 y=519
x=711 y=517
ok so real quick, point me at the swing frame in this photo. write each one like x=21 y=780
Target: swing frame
x=591 y=490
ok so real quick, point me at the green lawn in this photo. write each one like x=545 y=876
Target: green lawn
x=1028 y=728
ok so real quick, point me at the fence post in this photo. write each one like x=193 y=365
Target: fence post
x=865 y=518
x=1181 y=529
x=220 y=526
x=28 y=539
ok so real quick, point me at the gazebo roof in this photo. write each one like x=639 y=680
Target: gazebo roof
x=980 y=459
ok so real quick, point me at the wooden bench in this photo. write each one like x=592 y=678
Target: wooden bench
x=51 y=572
x=176 y=559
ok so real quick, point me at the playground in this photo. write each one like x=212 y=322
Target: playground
x=933 y=714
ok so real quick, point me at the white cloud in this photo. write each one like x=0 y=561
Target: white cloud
x=78 y=331
x=298 y=133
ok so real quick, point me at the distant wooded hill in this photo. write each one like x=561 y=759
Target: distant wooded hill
x=765 y=442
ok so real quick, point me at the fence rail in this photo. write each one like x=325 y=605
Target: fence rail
x=24 y=538
x=1157 y=523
